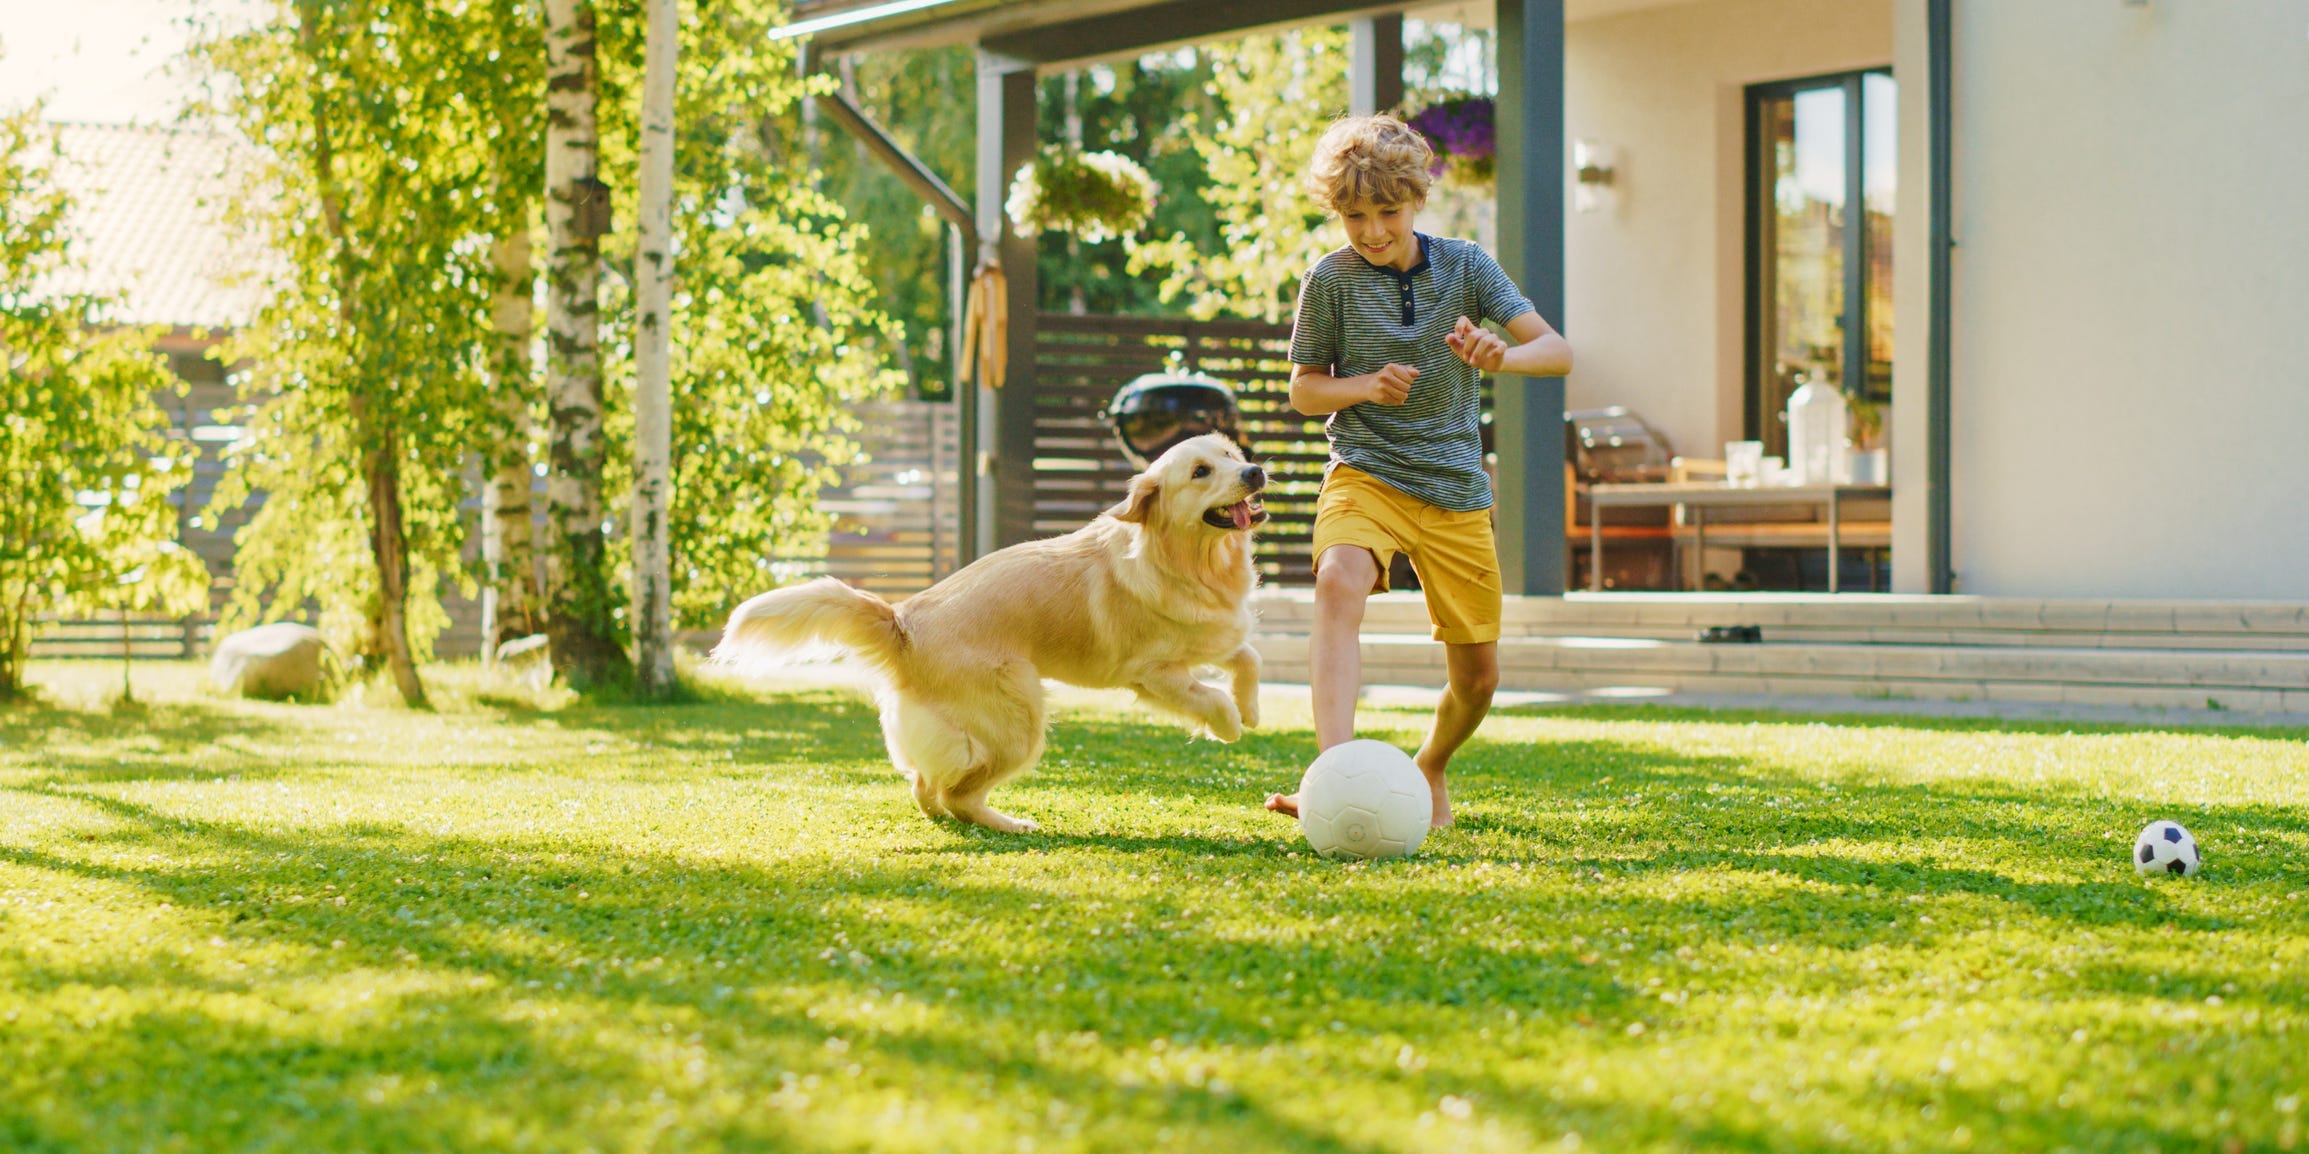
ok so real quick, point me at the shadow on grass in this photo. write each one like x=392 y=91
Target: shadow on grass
x=542 y=979
x=744 y=956
x=144 y=741
x=193 y=738
x=540 y=984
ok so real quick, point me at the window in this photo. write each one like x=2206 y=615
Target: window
x=1821 y=187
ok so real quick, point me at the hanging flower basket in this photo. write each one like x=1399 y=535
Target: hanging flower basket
x=1460 y=131
x=1094 y=196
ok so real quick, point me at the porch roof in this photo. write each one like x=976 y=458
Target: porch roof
x=1049 y=32
x=1017 y=40
x=150 y=227
x=1061 y=31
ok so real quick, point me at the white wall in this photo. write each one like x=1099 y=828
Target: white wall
x=2131 y=297
x=1654 y=295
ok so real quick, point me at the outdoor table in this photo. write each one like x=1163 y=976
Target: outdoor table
x=1699 y=495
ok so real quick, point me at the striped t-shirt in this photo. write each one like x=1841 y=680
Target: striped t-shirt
x=1355 y=317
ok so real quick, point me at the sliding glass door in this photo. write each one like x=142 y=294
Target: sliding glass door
x=1821 y=186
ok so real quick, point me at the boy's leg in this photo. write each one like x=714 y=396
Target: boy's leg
x=1343 y=584
x=1458 y=563
x=1474 y=675
x=1344 y=578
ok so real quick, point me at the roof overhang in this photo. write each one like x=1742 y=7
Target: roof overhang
x=1045 y=33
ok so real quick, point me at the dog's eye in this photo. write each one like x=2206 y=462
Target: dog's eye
x=1202 y=470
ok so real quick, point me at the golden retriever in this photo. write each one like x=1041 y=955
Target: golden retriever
x=1139 y=598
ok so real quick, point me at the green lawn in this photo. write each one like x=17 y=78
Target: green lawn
x=538 y=925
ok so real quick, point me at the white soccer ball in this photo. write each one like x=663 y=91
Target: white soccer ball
x=1364 y=799
x=2165 y=848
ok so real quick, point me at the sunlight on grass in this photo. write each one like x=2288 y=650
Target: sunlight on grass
x=529 y=921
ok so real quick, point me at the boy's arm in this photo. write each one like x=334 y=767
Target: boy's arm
x=1538 y=351
x=1315 y=392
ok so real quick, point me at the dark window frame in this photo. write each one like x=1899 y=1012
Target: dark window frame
x=1855 y=320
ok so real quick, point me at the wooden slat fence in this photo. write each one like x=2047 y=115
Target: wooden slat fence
x=896 y=521
x=1078 y=470
x=202 y=425
x=897 y=512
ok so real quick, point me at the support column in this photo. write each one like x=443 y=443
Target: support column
x=1921 y=263
x=964 y=397
x=1939 y=561
x=1005 y=432
x=1527 y=418
x=1375 y=64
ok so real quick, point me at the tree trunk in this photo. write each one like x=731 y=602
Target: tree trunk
x=380 y=442
x=389 y=545
x=15 y=629
x=509 y=603
x=13 y=651
x=127 y=659
x=579 y=601
x=653 y=401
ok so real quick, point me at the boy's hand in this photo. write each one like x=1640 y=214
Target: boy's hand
x=1391 y=385
x=1476 y=345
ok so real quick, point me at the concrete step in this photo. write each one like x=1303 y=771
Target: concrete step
x=2258 y=682
x=1856 y=618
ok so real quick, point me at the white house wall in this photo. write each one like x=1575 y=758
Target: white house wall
x=1654 y=294
x=2131 y=298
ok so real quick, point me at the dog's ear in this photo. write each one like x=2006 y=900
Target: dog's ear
x=1140 y=502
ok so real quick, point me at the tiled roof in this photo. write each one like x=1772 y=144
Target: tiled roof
x=148 y=224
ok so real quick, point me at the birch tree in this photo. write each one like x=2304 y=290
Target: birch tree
x=435 y=110
x=774 y=334
x=653 y=419
x=378 y=132
x=580 y=603
x=511 y=602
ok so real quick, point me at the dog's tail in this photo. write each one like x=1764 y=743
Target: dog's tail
x=804 y=621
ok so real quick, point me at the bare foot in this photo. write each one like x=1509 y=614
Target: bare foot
x=1286 y=804
x=1441 y=817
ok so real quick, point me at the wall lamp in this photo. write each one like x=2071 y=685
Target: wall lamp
x=1593 y=171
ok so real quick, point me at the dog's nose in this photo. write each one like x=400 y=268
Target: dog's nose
x=1255 y=477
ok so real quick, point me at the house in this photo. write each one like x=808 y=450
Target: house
x=150 y=229
x=2124 y=360
x=2057 y=245
x=2077 y=253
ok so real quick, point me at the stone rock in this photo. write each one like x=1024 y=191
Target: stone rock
x=528 y=658
x=523 y=650
x=283 y=659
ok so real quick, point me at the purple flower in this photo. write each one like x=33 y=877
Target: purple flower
x=1459 y=129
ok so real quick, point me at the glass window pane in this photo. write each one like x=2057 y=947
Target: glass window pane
x=1804 y=252
x=1879 y=102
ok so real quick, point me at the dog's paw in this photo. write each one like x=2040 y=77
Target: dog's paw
x=1004 y=823
x=994 y=819
x=1224 y=727
x=1249 y=708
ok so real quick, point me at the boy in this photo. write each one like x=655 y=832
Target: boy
x=1388 y=344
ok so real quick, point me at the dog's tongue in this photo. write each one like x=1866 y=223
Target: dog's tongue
x=1241 y=512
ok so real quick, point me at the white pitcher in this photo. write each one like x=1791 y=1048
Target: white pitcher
x=1817 y=420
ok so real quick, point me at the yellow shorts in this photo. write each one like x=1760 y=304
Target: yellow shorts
x=1455 y=554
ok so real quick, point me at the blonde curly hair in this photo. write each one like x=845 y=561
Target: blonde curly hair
x=1370 y=159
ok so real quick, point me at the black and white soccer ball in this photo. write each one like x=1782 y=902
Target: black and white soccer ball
x=2165 y=848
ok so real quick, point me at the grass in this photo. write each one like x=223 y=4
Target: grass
x=516 y=924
